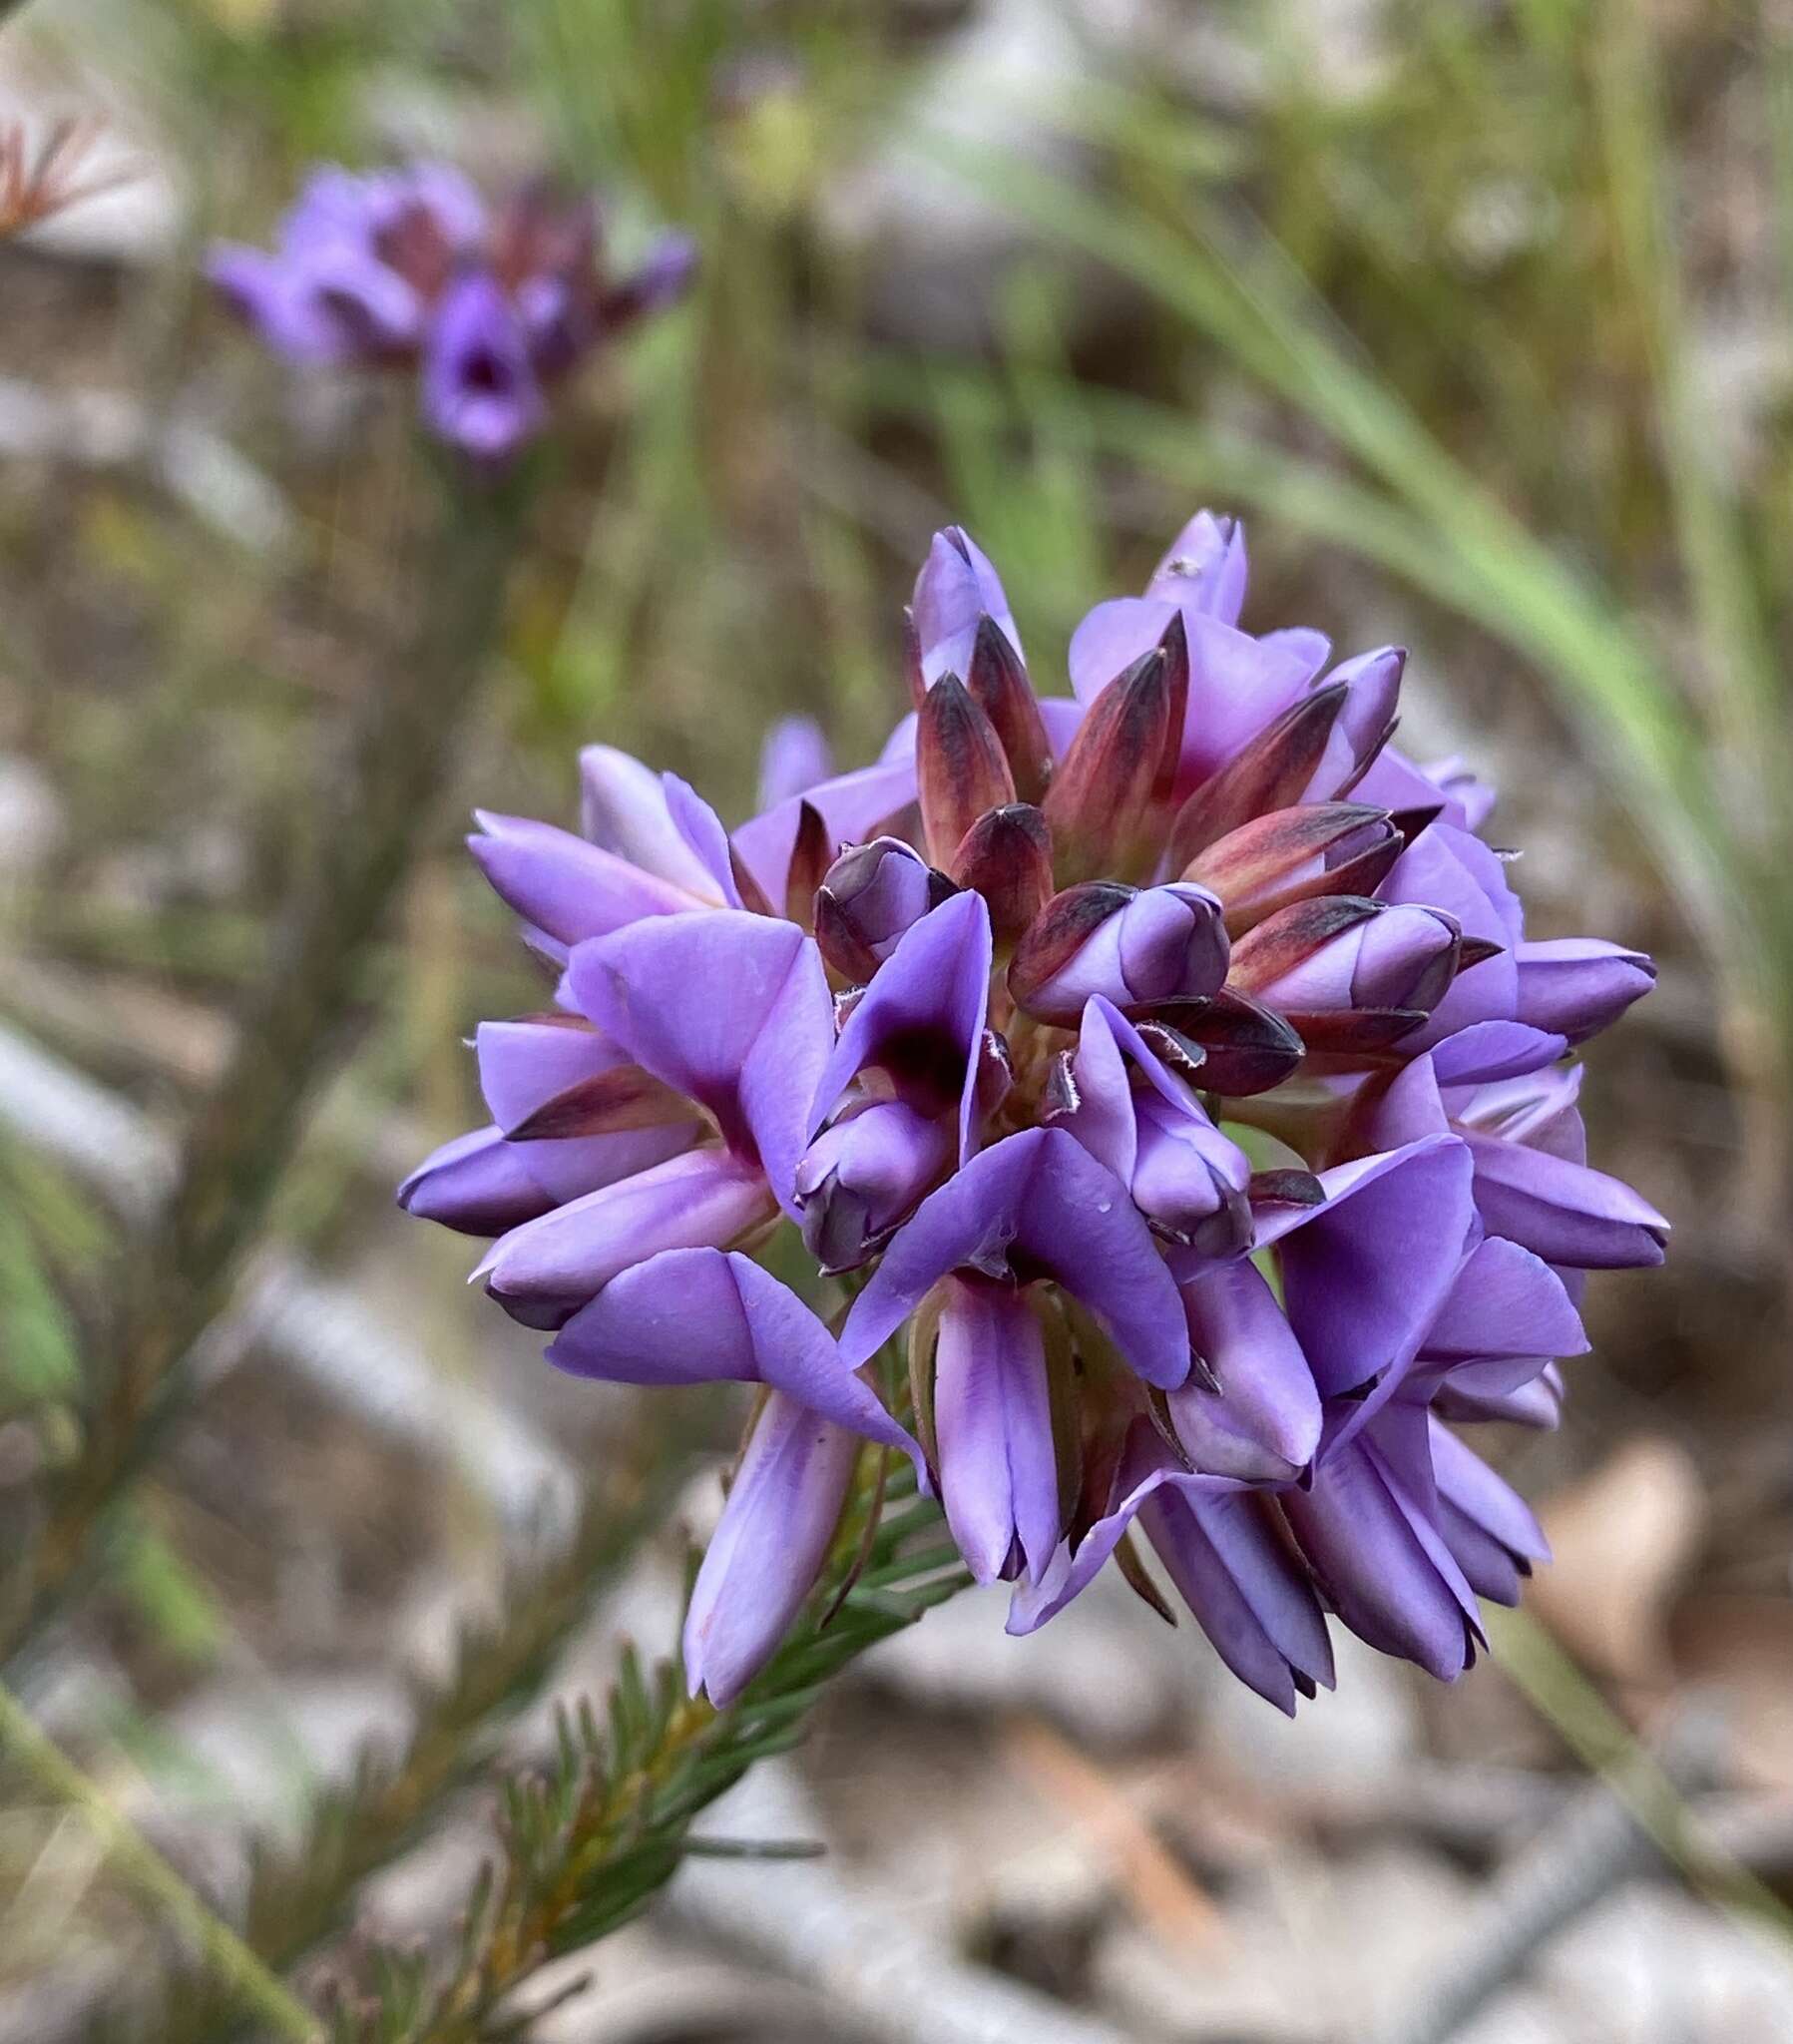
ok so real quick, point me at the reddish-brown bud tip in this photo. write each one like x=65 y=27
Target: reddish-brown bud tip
x=1268 y=773
x=811 y=856
x=1060 y=931
x=960 y=767
x=1005 y=857
x=1101 y=793
x=998 y=684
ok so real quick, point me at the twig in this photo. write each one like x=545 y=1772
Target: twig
x=224 y=1954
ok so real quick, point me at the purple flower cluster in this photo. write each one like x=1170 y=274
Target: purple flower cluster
x=410 y=267
x=1170 y=1061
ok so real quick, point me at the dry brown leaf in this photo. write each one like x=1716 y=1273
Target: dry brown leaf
x=1623 y=1538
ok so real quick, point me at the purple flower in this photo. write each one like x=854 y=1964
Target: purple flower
x=1169 y=1070
x=409 y=268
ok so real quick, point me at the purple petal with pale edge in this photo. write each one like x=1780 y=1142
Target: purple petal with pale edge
x=794 y=759
x=1577 y=986
x=701 y=1200
x=1538 y=1110
x=1487 y=1051
x=701 y=828
x=852 y=807
x=1564 y=1212
x=999 y=1477
x=1364 y=1273
x=732 y=1009
x=566 y=887
x=1247 y=1593
x=935 y=982
x=1377 y=1549
x=702 y=1316
x=1043 y=1195
x=623 y=810
x=768 y=1546
x=1264 y=1421
x=1103 y=1119
x=1505 y=1302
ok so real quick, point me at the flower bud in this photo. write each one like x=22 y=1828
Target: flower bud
x=956 y=588
x=998 y=684
x=1138 y=946
x=960 y=767
x=476 y=1185
x=1005 y=857
x=864 y=1175
x=480 y=391
x=871 y=895
x=1292 y=854
x=1102 y=790
x=1204 y=568
x=769 y=1547
x=1340 y=953
x=1271 y=773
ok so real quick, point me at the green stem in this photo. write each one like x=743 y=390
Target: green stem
x=371 y=813
x=223 y=1952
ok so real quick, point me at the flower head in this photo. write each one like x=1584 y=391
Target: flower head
x=412 y=268
x=1168 y=1068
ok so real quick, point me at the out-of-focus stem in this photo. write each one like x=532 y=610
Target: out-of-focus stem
x=375 y=805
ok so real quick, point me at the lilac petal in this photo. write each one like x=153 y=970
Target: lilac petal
x=1577 y=986
x=1487 y=1051
x=476 y=1185
x=1037 y=1197
x=862 y=1177
x=792 y=760
x=1111 y=636
x=1372 y=683
x=1447 y=868
x=852 y=807
x=1491 y=1530
x=1204 y=568
x=957 y=585
x=545 y=1270
x=1563 y=1211
x=702 y=829
x=1505 y=1302
x=1263 y=1424
x=277 y=303
x=625 y=809
x=1159 y=944
x=525 y=1064
x=933 y=990
x=1063 y=716
x=702 y=1316
x=998 y=1476
x=730 y=1008
x=1380 y=1555
x=1479 y=1393
x=1234 y=1570
x=1365 y=1273
x=1237 y=684
x=563 y=885
x=480 y=391
x=768 y=1546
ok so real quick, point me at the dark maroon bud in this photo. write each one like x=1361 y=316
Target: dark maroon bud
x=1270 y=773
x=1174 y=646
x=960 y=767
x=1005 y=857
x=1241 y=1047
x=1000 y=687
x=1101 y=792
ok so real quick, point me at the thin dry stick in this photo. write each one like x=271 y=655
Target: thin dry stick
x=224 y=1954
x=371 y=815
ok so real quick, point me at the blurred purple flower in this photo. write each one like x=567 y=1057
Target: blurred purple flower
x=410 y=267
